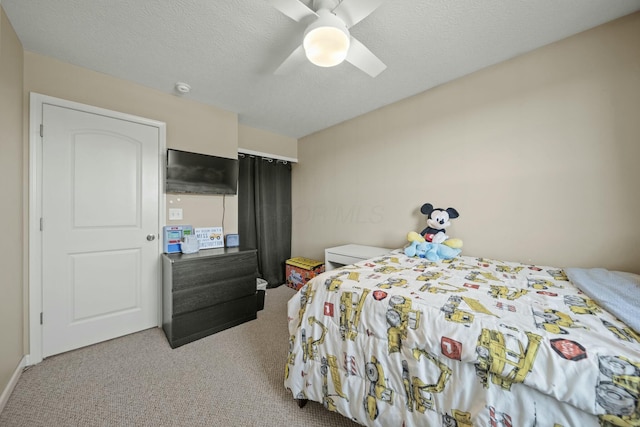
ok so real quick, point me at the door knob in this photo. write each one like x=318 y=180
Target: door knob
x=151 y=237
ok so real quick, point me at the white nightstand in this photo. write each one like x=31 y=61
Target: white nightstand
x=350 y=254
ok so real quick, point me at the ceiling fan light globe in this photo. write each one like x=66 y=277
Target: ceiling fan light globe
x=326 y=46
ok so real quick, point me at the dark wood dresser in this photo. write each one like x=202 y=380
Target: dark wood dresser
x=207 y=292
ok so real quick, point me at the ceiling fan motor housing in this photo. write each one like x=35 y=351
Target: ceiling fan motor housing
x=326 y=40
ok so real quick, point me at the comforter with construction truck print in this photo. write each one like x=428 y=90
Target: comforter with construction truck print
x=401 y=341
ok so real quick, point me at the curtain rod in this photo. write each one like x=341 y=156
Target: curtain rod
x=267 y=155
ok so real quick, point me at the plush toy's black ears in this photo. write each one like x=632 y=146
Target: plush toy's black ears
x=452 y=213
x=426 y=209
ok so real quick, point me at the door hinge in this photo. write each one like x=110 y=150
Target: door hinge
x=41 y=318
x=41 y=227
x=41 y=131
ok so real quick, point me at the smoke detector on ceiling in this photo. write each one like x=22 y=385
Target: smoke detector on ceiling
x=183 y=88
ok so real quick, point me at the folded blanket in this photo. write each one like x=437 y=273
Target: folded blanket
x=615 y=291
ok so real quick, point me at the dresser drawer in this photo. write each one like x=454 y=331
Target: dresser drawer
x=201 y=323
x=212 y=293
x=197 y=272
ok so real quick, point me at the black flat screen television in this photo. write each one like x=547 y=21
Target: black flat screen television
x=200 y=173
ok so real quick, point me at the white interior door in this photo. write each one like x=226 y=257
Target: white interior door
x=100 y=194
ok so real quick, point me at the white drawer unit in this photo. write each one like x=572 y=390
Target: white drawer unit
x=350 y=254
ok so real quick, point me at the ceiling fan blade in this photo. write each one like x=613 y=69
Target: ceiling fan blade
x=294 y=9
x=296 y=58
x=354 y=11
x=362 y=58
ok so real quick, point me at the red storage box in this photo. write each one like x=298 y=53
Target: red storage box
x=299 y=270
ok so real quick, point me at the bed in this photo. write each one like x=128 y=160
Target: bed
x=402 y=341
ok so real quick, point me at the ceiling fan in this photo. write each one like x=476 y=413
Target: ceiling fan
x=327 y=41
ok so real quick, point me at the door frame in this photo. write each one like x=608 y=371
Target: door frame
x=37 y=101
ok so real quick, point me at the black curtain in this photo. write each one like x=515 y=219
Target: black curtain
x=264 y=213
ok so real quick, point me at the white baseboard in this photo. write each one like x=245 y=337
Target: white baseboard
x=4 y=397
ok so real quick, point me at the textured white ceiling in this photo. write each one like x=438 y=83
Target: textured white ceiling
x=227 y=50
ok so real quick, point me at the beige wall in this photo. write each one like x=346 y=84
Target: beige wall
x=11 y=193
x=191 y=126
x=267 y=142
x=539 y=155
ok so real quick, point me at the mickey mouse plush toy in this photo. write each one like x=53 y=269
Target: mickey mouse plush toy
x=437 y=221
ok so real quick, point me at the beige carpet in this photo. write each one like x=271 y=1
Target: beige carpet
x=232 y=378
